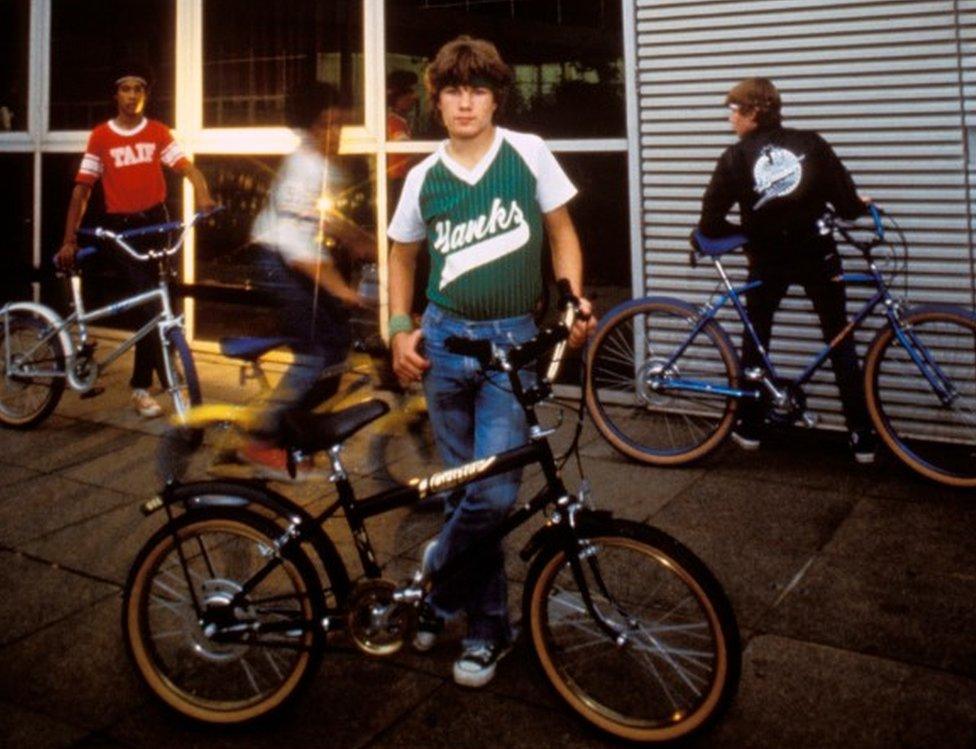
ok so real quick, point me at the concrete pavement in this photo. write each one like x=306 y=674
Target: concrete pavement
x=854 y=587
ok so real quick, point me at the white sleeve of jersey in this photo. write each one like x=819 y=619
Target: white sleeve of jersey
x=172 y=154
x=553 y=187
x=407 y=224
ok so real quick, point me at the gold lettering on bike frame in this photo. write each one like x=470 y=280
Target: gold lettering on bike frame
x=452 y=477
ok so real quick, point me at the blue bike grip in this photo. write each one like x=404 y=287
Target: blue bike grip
x=85 y=252
x=876 y=215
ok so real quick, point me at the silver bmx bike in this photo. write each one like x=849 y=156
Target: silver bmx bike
x=41 y=352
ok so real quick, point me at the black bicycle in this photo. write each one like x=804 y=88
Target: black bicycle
x=227 y=608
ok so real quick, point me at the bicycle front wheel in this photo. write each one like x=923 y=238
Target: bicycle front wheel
x=184 y=385
x=674 y=665
x=650 y=402
x=28 y=394
x=933 y=432
x=205 y=658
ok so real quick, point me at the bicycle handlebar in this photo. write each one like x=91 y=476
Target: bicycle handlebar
x=831 y=222
x=489 y=356
x=119 y=238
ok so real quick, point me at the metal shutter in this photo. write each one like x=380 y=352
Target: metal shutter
x=883 y=82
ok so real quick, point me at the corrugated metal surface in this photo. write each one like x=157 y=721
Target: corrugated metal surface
x=882 y=81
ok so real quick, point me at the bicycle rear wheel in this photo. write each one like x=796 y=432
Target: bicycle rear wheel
x=630 y=365
x=184 y=384
x=679 y=667
x=199 y=658
x=26 y=399
x=934 y=437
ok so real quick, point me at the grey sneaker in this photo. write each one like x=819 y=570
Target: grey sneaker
x=144 y=404
x=746 y=436
x=864 y=446
x=476 y=666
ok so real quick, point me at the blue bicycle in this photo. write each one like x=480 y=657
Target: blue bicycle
x=664 y=379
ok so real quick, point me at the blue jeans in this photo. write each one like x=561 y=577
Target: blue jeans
x=474 y=415
x=319 y=327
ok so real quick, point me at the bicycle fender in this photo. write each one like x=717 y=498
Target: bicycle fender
x=53 y=319
x=201 y=495
x=554 y=534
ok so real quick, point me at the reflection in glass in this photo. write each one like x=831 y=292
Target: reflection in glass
x=14 y=39
x=254 y=53
x=88 y=42
x=15 y=226
x=225 y=258
x=567 y=56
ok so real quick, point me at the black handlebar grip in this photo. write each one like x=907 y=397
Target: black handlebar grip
x=480 y=350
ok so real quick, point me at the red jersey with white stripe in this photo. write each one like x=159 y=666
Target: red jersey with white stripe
x=129 y=163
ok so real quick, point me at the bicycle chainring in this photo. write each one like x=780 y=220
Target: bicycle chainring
x=789 y=411
x=377 y=624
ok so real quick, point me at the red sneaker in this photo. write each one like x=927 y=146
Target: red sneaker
x=272 y=462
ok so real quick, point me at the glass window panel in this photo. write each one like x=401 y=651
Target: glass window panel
x=14 y=44
x=567 y=56
x=254 y=52
x=88 y=42
x=102 y=274
x=16 y=259
x=225 y=256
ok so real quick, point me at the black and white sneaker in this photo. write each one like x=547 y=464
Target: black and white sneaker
x=476 y=666
x=864 y=446
x=746 y=436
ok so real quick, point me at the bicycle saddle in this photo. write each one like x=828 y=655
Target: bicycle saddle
x=717 y=246
x=250 y=348
x=312 y=432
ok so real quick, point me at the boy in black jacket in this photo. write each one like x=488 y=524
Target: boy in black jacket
x=783 y=180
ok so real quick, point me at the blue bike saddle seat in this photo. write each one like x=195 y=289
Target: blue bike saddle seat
x=718 y=246
x=251 y=347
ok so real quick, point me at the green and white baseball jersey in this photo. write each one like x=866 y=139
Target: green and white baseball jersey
x=483 y=226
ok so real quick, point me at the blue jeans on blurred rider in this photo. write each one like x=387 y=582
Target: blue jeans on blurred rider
x=474 y=415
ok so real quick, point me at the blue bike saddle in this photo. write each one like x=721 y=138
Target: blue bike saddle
x=718 y=246
x=251 y=347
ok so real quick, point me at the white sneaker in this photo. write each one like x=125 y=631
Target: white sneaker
x=145 y=405
x=476 y=666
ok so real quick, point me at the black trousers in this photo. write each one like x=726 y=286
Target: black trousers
x=816 y=273
x=138 y=277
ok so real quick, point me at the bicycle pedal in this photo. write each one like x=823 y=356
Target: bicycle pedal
x=93 y=393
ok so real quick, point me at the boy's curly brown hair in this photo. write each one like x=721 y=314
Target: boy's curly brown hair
x=465 y=61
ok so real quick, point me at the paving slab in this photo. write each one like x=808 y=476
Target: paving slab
x=11 y=475
x=352 y=699
x=458 y=718
x=25 y=729
x=899 y=611
x=35 y=594
x=796 y=694
x=75 y=669
x=60 y=442
x=104 y=546
x=47 y=503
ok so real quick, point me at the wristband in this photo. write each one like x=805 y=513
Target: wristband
x=400 y=324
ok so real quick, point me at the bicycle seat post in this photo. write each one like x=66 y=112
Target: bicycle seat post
x=77 y=301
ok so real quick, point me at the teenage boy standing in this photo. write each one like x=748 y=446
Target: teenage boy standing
x=783 y=179
x=127 y=154
x=482 y=202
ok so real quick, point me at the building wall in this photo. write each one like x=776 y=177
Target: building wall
x=889 y=84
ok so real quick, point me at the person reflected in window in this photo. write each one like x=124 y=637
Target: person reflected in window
x=297 y=236
x=783 y=180
x=401 y=101
x=481 y=202
x=127 y=154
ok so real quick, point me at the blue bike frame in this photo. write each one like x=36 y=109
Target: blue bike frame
x=941 y=384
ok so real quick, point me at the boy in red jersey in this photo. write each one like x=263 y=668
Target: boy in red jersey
x=127 y=154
